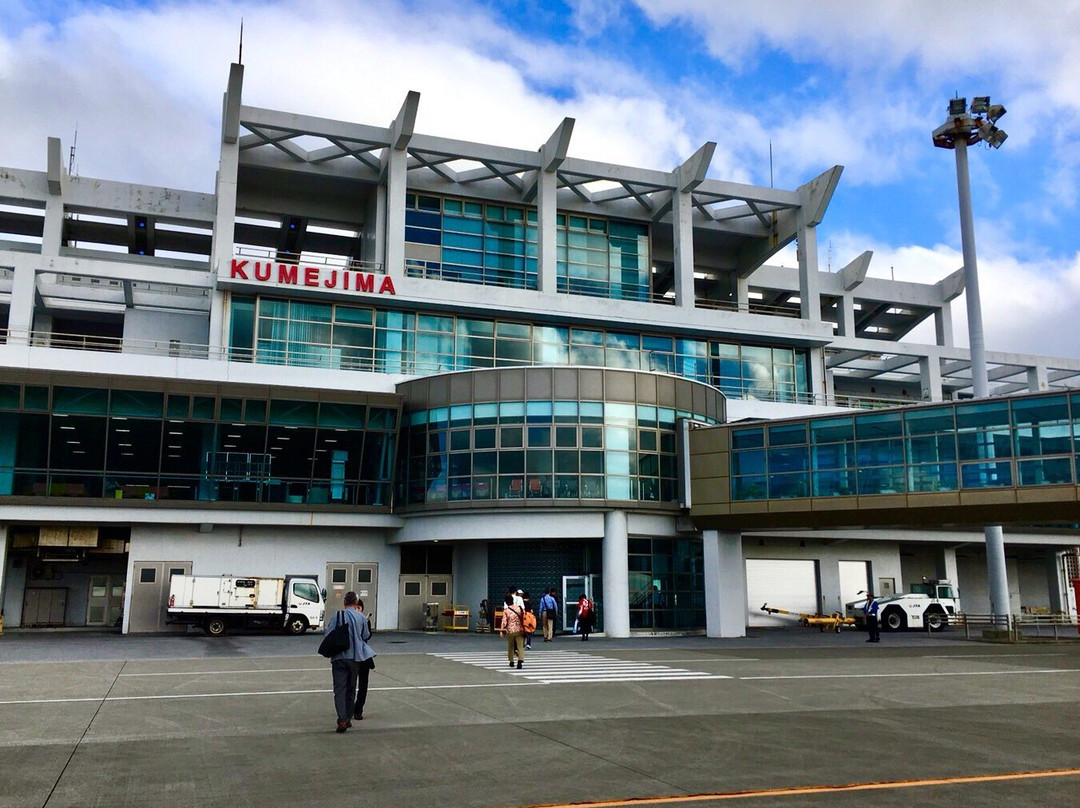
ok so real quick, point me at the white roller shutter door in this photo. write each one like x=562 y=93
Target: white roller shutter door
x=782 y=583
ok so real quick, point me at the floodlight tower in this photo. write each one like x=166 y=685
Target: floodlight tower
x=964 y=127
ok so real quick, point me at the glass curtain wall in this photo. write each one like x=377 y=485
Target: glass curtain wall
x=1019 y=441
x=349 y=337
x=667 y=584
x=125 y=444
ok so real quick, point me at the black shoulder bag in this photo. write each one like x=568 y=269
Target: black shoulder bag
x=338 y=640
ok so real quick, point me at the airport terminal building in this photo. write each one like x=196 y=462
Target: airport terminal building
x=428 y=369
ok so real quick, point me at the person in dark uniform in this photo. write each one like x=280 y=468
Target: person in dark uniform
x=870 y=611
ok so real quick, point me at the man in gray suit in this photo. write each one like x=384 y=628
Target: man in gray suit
x=352 y=666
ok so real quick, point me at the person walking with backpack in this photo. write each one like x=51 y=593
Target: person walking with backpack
x=549 y=611
x=513 y=628
x=346 y=666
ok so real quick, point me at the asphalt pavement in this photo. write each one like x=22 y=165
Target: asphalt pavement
x=783 y=717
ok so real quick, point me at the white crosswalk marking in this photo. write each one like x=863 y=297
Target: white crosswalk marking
x=565 y=667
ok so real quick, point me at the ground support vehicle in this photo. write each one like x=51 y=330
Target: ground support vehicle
x=824 y=622
x=931 y=605
x=218 y=603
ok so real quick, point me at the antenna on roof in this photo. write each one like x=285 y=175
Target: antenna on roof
x=71 y=153
x=240 y=55
x=770 y=164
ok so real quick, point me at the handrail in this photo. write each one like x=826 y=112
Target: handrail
x=1016 y=627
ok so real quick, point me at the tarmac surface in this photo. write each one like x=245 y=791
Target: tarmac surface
x=784 y=717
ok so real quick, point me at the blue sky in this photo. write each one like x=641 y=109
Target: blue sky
x=648 y=81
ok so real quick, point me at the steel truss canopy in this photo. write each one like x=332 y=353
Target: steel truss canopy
x=270 y=140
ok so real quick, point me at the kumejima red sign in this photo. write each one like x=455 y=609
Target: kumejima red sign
x=329 y=279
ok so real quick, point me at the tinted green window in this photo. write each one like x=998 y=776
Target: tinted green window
x=9 y=396
x=293 y=413
x=80 y=400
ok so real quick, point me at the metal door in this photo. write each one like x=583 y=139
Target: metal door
x=415 y=591
x=786 y=583
x=105 y=600
x=44 y=606
x=361 y=577
x=150 y=595
x=573 y=587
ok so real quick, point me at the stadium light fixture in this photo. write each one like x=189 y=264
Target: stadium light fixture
x=959 y=131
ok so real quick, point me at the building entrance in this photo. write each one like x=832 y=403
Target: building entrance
x=573 y=587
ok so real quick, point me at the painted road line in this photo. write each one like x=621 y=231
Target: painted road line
x=908 y=675
x=825 y=789
x=572 y=667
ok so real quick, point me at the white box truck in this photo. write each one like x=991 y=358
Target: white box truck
x=218 y=603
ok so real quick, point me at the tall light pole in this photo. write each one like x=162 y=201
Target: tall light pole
x=964 y=127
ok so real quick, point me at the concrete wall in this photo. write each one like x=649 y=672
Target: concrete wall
x=273 y=552
x=149 y=325
x=471 y=576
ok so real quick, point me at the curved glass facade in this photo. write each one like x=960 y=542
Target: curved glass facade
x=520 y=450
x=349 y=337
x=1019 y=441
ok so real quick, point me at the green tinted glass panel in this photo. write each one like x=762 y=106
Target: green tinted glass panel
x=9 y=396
x=203 y=408
x=293 y=413
x=80 y=400
x=136 y=403
x=232 y=409
x=36 y=398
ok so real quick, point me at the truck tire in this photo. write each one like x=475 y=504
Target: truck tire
x=296 y=624
x=894 y=620
x=935 y=619
x=215 y=626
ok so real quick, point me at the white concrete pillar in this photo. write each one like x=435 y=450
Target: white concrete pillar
x=396 y=176
x=616 y=576
x=725 y=584
x=21 y=311
x=809 y=287
x=943 y=329
x=547 y=241
x=946 y=565
x=221 y=250
x=846 y=315
x=930 y=378
x=1037 y=379
x=742 y=290
x=816 y=371
x=682 y=221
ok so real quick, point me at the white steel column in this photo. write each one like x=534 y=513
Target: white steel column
x=725 y=584
x=616 y=576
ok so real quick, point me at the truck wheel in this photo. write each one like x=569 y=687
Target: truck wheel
x=935 y=620
x=215 y=627
x=894 y=620
x=296 y=624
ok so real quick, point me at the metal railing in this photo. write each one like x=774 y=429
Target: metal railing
x=1016 y=627
x=329 y=261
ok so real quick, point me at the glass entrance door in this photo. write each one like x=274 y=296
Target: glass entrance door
x=573 y=587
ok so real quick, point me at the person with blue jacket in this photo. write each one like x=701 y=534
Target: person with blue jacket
x=351 y=668
x=870 y=611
